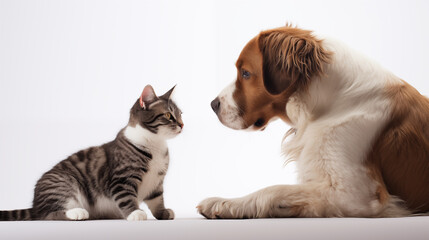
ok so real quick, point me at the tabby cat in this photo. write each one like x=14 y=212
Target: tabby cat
x=111 y=180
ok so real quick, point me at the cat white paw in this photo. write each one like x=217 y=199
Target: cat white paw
x=137 y=215
x=77 y=214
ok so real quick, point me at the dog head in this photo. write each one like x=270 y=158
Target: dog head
x=271 y=67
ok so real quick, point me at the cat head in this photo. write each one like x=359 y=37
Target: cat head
x=157 y=114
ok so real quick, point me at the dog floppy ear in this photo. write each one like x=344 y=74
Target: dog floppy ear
x=291 y=56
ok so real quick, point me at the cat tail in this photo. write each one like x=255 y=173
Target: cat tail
x=17 y=215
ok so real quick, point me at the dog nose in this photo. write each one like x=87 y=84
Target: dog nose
x=215 y=105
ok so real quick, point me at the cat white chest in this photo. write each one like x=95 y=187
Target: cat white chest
x=157 y=166
x=155 y=174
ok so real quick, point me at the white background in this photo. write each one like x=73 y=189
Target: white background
x=71 y=70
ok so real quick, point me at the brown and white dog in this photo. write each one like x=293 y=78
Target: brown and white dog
x=360 y=134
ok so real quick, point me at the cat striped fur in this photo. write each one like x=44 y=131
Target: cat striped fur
x=111 y=180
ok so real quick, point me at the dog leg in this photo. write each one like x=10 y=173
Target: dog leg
x=276 y=201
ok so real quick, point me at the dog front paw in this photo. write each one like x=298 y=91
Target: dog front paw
x=215 y=208
x=210 y=207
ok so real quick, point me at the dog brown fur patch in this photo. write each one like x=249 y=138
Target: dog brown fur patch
x=280 y=61
x=292 y=56
x=400 y=156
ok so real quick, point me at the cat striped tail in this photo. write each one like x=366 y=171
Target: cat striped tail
x=16 y=215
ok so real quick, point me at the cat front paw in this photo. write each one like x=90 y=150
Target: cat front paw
x=137 y=215
x=166 y=214
x=77 y=214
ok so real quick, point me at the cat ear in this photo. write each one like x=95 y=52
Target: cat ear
x=167 y=95
x=148 y=96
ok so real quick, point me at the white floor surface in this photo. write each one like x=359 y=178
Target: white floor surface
x=412 y=228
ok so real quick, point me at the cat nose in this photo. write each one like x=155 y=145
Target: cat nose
x=215 y=105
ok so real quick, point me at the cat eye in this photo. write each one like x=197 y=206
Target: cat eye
x=167 y=115
x=245 y=74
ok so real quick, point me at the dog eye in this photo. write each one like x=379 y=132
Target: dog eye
x=245 y=74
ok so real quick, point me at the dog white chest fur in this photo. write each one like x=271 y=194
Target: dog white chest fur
x=336 y=124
